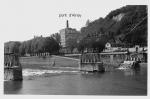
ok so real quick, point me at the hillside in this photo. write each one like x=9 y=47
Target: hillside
x=126 y=25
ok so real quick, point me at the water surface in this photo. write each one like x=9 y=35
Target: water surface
x=73 y=82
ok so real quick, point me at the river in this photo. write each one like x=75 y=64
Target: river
x=74 y=82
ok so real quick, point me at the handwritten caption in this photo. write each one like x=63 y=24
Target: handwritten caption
x=69 y=15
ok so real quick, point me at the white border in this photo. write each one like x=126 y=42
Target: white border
x=110 y=2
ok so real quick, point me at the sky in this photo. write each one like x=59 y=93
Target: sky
x=21 y=20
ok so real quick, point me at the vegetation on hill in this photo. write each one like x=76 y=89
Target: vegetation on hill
x=127 y=25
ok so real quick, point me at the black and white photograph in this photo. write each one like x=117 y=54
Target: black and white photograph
x=75 y=47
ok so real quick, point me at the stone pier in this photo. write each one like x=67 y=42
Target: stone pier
x=90 y=62
x=12 y=67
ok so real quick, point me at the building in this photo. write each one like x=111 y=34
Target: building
x=66 y=34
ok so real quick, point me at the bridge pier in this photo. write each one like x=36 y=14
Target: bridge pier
x=90 y=62
x=12 y=67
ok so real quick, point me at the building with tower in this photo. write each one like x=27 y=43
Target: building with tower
x=66 y=34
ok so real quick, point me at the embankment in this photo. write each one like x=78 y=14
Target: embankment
x=48 y=62
x=53 y=61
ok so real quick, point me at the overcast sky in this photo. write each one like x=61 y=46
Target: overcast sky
x=22 y=19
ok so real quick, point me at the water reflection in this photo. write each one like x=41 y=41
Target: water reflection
x=129 y=72
x=140 y=71
x=12 y=87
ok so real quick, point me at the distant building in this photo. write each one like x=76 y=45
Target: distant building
x=107 y=45
x=110 y=47
x=66 y=34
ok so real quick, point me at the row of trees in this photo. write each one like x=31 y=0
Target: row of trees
x=35 y=45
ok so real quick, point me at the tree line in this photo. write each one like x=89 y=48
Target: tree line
x=36 y=45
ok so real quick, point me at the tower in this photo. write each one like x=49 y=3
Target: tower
x=67 y=24
x=66 y=34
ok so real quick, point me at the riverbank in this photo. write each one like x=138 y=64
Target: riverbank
x=65 y=62
x=48 y=62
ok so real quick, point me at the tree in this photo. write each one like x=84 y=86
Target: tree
x=72 y=43
x=81 y=45
x=56 y=36
x=94 y=43
x=12 y=47
x=22 y=49
x=51 y=45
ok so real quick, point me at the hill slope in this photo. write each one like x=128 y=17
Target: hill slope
x=126 y=25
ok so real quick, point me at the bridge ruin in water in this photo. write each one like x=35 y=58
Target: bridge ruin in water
x=12 y=67
x=96 y=61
